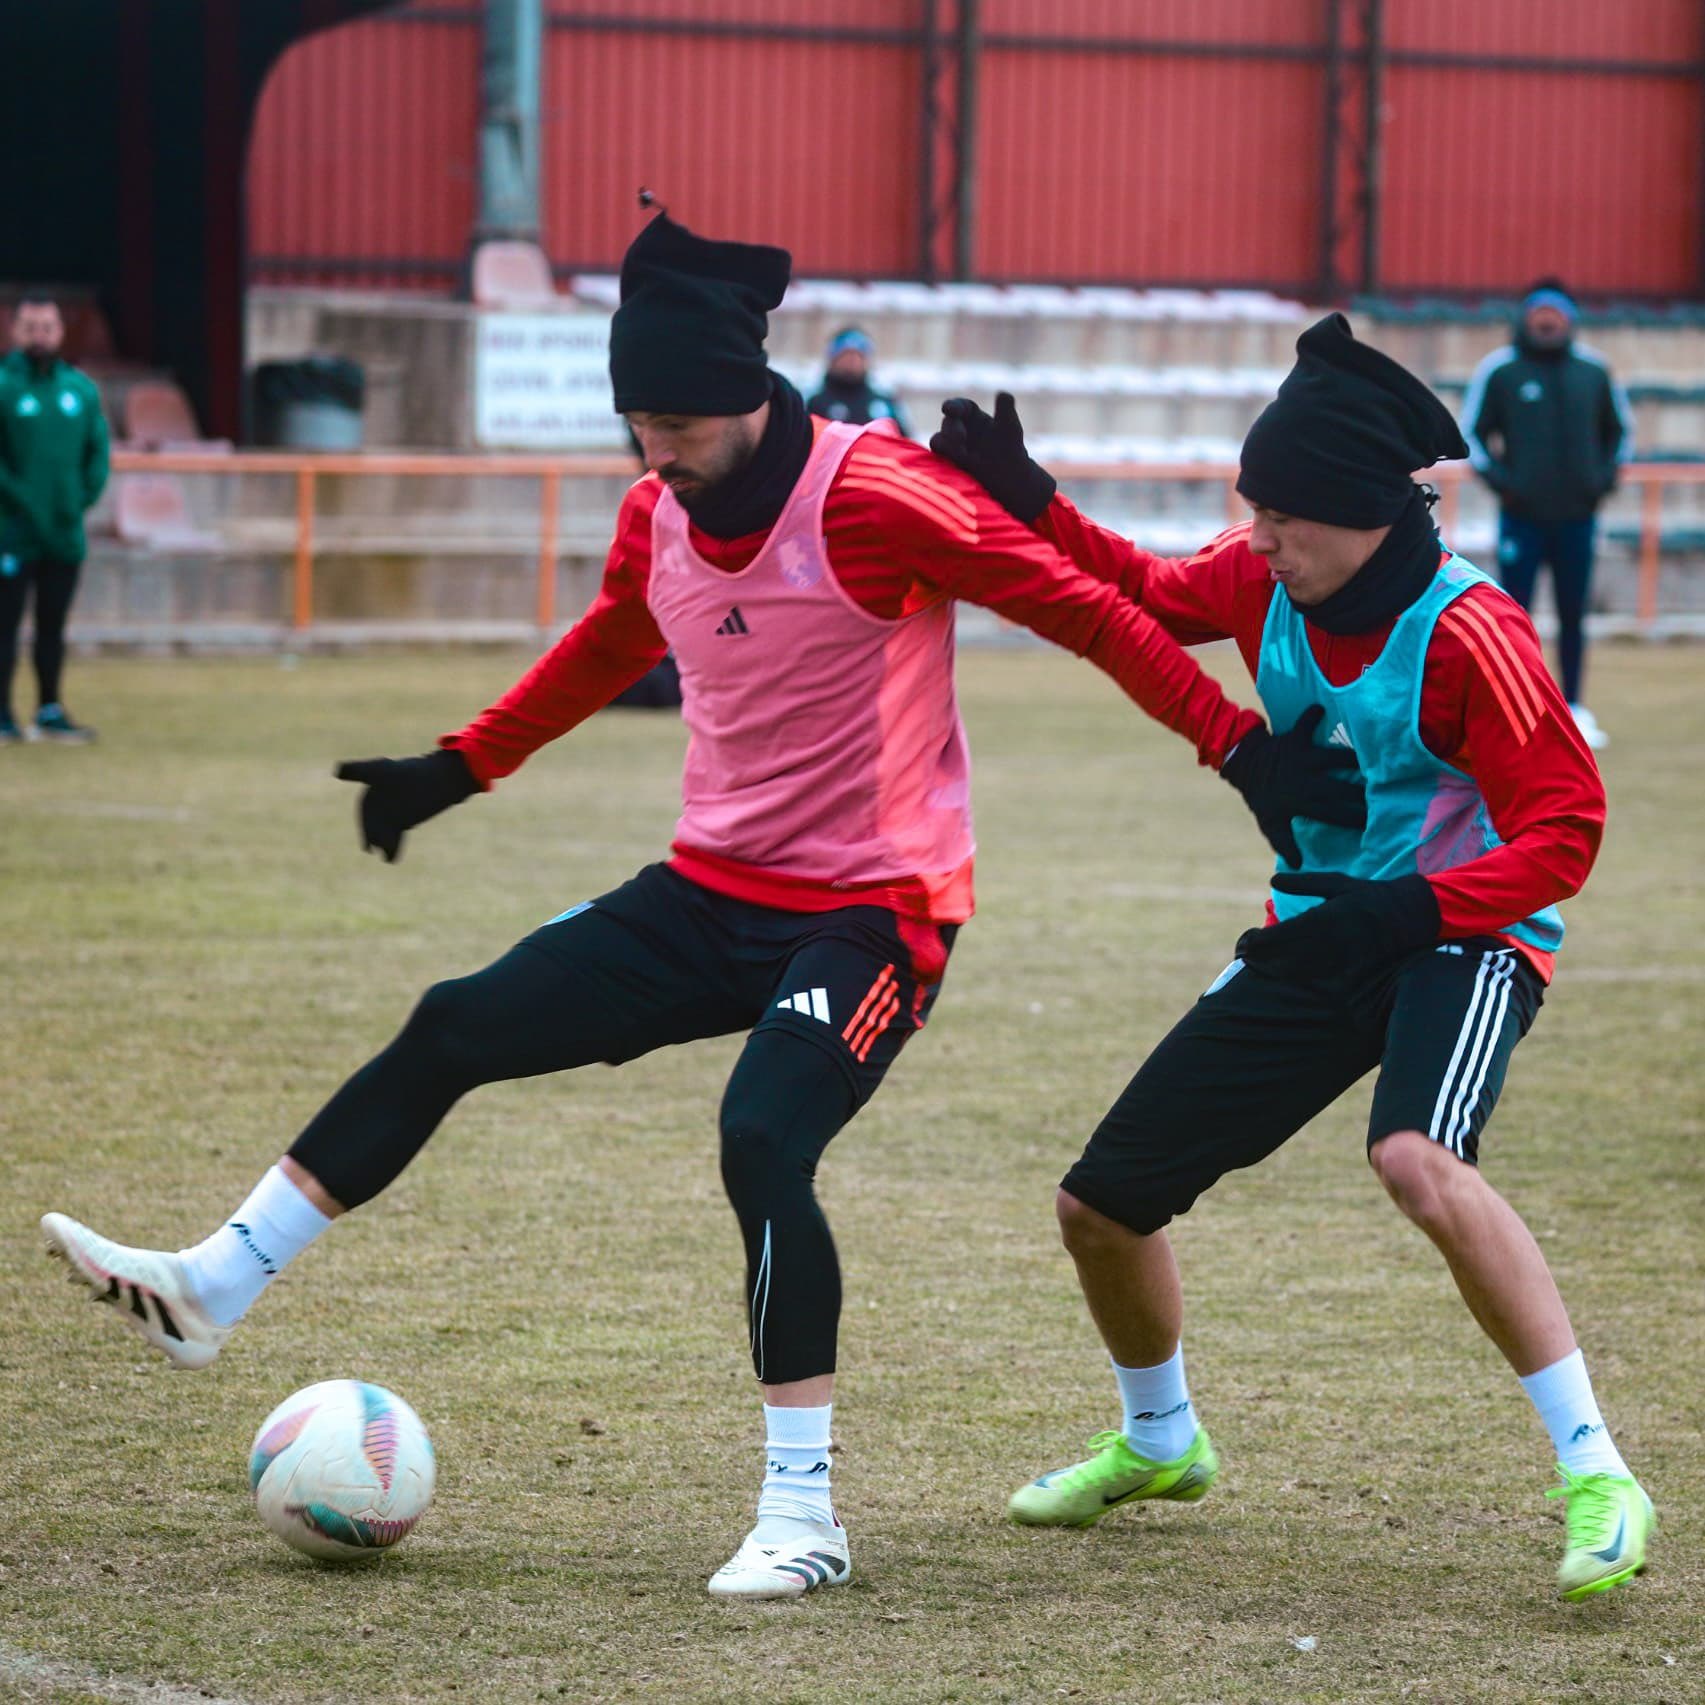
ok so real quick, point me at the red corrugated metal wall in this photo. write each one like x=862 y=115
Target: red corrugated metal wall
x=362 y=165
x=811 y=143
x=1165 y=139
x=1591 y=170
x=1187 y=141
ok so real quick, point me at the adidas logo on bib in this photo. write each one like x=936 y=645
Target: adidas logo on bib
x=734 y=623
x=1340 y=736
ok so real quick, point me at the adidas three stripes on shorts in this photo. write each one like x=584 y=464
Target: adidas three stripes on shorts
x=1257 y=1057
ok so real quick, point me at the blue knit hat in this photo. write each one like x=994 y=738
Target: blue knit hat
x=850 y=337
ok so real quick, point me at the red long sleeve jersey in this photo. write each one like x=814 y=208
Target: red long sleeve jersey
x=904 y=529
x=1489 y=707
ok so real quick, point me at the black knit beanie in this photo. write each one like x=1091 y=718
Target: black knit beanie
x=688 y=337
x=1347 y=430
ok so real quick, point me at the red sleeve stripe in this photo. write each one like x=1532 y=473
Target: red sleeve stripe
x=899 y=489
x=1517 y=675
x=866 y=461
x=1494 y=670
x=1231 y=536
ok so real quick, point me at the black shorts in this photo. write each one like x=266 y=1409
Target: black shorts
x=1257 y=1057
x=669 y=961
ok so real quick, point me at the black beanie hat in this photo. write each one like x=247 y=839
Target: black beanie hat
x=688 y=337
x=1347 y=430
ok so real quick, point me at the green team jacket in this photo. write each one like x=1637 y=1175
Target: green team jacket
x=53 y=459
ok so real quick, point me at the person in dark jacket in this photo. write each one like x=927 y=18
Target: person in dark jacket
x=1548 y=429
x=53 y=465
x=847 y=393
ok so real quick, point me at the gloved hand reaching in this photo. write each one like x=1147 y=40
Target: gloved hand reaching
x=990 y=448
x=404 y=792
x=1282 y=776
x=1358 y=927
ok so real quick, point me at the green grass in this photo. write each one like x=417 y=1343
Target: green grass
x=194 y=953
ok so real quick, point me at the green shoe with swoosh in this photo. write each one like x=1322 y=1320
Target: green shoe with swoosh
x=1082 y=1494
x=1607 y=1519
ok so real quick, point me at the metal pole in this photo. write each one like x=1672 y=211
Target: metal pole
x=1332 y=141
x=1651 y=532
x=929 y=120
x=302 y=601
x=1450 y=506
x=1372 y=188
x=965 y=195
x=510 y=71
x=550 y=510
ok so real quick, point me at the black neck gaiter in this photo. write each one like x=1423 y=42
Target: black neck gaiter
x=1388 y=582
x=751 y=500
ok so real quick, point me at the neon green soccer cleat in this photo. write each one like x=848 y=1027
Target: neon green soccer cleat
x=1608 y=1519
x=1081 y=1495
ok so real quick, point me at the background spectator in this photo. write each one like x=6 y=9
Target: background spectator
x=1547 y=429
x=847 y=393
x=53 y=465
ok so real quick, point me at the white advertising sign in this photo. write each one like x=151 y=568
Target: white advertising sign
x=542 y=382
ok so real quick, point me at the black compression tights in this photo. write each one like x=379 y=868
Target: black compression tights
x=529 y=1014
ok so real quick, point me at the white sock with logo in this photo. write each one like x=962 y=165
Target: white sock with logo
x=796 y=1471
x=228 y=1270
x=1563 y=1395
x=1160 y=1420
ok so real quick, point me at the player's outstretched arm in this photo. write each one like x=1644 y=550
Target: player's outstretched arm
x=604 y=653
x=1219 y=593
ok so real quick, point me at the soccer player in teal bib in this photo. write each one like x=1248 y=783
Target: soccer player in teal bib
x=1418 y=946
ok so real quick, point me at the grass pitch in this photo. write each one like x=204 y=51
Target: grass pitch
x=194 y=954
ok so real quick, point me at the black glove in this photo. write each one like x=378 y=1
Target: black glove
x=991 y=450
x=1358 y=927
x=1282 y=776
x=402 y=792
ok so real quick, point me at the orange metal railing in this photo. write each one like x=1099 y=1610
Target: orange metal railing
x=550 y=471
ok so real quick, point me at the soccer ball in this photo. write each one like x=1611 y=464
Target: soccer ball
x=342 y=1469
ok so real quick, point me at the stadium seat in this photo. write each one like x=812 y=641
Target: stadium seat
x=157 y=415
x=151 y=511
x=512 y=275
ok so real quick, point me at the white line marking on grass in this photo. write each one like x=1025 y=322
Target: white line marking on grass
x=42 y=1678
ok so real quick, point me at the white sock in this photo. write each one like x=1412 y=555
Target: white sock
x=228 y=1270
x=1160 y=1420
x=1563 y=1395
x=796 y=1470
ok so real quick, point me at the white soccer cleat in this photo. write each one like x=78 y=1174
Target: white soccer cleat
x=788 y=1565
x=146 y=1286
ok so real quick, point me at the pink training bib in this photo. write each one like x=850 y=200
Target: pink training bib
x=826 y=741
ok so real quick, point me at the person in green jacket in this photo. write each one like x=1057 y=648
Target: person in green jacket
x=53 y=465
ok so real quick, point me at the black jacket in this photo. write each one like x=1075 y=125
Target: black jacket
x=858 y=404
x=1546 y=430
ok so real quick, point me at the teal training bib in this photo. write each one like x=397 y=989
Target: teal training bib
x=1423 y=815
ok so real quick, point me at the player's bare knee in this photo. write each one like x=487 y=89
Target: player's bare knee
x=1084 y=1230
x=1422 y=1177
